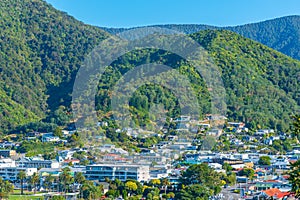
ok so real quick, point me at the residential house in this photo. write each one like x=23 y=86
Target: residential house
x=49 y=137
x=5 y=153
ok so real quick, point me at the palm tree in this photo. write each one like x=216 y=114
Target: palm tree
x=79 y=178
x=34 y=179
x=165 y=182
x=66 y=179
x=48 y=182
x=5 y=188
x=21 y=176
x=90 y=191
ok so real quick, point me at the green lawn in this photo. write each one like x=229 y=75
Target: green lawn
x=24 y=197
x=17 y=192
x=28 y=195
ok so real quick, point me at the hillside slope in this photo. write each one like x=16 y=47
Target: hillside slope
x=281 y=34
x=41 y=50
x=262 y=85
x=13 y=114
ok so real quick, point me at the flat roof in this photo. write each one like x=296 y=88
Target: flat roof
x=116 y=165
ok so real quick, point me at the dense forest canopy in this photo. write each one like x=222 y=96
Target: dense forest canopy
x=41 y=50
x=262 y=85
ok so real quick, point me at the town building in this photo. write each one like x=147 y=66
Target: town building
x=117 y=171
x=11 y=173
x=37 y=163
x=5 y=153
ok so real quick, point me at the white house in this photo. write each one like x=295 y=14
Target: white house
x=49 y=137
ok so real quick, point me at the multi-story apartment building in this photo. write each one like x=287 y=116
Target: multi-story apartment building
x=31 y=163
x=11 y=173
x=7 y=162
x=122 y=172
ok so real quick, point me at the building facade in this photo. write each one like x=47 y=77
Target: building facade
x=37 y=164
x=117 y=171
x=11 y=173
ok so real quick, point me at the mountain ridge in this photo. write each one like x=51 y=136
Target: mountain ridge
x=251 y=30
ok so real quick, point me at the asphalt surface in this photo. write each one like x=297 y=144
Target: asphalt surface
x=228 y=193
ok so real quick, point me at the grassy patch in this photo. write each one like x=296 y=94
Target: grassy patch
x=24 y=197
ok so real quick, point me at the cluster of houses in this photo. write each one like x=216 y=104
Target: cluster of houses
x=162 y=159
x=156 y=163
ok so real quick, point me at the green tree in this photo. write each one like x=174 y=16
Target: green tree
x=34 y=180
x=58 y=198
x=294 y=179
x=90 y=191
x=112 y=193
x=131 y=186
x=195 y=191
x=165 y=183
x=248 y=172
x=287 y=145
x=204 y=175
x=58 y=132
x=294 y=171
x=79 y=178
x=66 y=179
x=227 y=167
x=151 y=192
x=296 y=126
x=264 y=160
x=149 y=196
x=231 y=179
x=170 y=195
x=155 y=182
x=48 y=182
x=22 y=176
x=5 y=188
x=61 y=116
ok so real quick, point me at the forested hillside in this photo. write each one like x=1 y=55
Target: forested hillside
x=281 y=34
x=262 y=85
x=41 y=50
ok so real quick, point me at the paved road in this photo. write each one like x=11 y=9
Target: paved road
x=229 y=195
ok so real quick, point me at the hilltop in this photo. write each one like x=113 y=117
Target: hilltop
x=281 y=34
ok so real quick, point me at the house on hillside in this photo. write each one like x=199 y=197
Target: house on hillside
x=6 y=153
x=274 y=193
x=49 y=137
x=183 y=119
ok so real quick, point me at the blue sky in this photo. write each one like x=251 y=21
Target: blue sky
x=129 y=13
